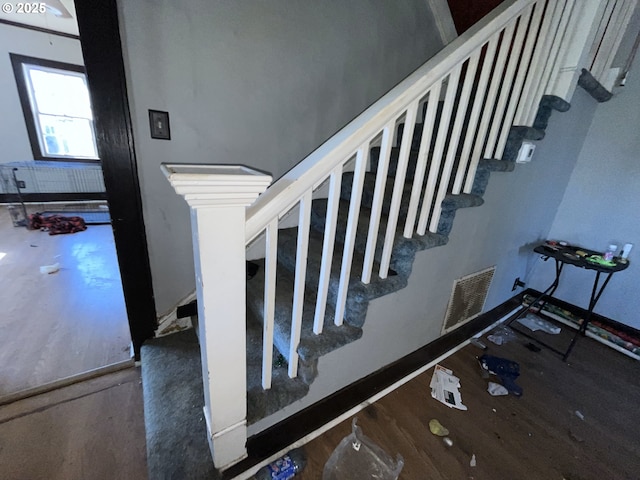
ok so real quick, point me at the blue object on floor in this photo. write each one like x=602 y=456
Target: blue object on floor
x=506 y=370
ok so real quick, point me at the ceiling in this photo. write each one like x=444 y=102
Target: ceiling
x=59 y=16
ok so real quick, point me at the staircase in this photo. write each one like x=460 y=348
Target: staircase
x=343 y=226
x=312 y=346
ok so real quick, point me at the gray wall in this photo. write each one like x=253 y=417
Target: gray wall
x=518 y=212
x=13 y=131
x=253 y=82
x=601 y=205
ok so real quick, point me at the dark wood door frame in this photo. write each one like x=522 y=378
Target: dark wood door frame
x=102 y=51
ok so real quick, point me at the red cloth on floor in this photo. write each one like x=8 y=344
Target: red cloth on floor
x=56 y=224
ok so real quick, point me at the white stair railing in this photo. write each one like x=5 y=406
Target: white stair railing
x=473 y=91
x=609 y=35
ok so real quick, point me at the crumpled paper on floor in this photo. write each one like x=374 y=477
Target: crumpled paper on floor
x=535 y=323
x=496 y=390
x=444 y=388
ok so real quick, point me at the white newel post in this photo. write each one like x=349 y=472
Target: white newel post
x=218 y=196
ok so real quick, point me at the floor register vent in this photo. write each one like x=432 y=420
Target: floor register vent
x=467 y=298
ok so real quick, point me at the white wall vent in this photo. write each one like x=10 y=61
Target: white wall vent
x=467 y=298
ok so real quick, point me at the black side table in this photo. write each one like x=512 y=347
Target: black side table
x=578 y=257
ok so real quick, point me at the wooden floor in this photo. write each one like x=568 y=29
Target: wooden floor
x=57 y=325
x=537 y=436
x=95 y=429
x=91 y=430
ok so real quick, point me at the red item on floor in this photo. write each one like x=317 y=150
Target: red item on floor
x=56 y=224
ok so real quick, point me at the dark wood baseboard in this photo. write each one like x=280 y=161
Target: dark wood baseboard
x=290 y=430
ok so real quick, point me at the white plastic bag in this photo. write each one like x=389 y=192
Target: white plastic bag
x=359 y=458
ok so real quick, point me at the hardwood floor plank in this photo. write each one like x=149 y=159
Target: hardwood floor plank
x=56 y=325
x=536 y=436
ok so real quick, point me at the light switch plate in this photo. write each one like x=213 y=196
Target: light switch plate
x=159 y=124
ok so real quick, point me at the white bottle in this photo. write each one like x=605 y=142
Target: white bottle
x=609 y=254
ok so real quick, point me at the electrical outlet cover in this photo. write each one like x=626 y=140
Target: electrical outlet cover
x=526 y=152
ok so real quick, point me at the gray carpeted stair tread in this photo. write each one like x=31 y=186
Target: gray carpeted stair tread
x=173 y=398
x=374 y=158
x=404 y=248
x=283 y=391
x=449 y=203
x=549 y=104
x=593 y=87
x=311 y=346
x=369 y=190
x=358 y=294
x=483 y=173
x=494 y=165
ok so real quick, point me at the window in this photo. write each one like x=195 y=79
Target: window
x=57 y=110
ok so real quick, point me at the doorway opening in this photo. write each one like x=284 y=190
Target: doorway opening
x=64 y=314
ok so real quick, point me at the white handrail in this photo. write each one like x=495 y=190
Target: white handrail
x=314 y=169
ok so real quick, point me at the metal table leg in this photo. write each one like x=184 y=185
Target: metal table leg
x=596 y=292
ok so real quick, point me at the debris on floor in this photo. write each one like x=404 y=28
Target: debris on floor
x=472 y=462
x=56 y=224
x=502 y=335
x=285 y=467
x=579 y=415
x=496 y=390
x=444 y=388
x=535 y=323
x=50 y=268
x=448 y=442
x=477 y=343
x=357 y=457
x=627 y=340
x=506 y=370
x=437 y=428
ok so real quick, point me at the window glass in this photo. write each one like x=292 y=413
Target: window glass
x=59 y=120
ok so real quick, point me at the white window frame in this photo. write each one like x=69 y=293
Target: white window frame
x=22 y=65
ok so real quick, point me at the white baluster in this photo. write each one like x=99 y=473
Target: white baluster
x=304 y=220
x=514 y=56
x=423 y=156
x=350 y=236
x=438 y=149
x=398 y=187
x=456 y=132
x=328 y=244
x=578 y=37
x=609 y=47
x=478 y=102
x=524 y=71
x=540 y=57
x=485 y=119
x=270 y=267
x=601 y=32
x=378 y=200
